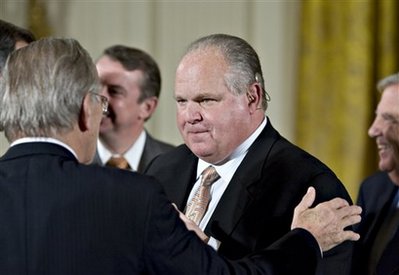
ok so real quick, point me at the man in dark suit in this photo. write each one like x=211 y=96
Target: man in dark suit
x=221 y=100
x=60 y=216
x=131 y=81
x=378 y=194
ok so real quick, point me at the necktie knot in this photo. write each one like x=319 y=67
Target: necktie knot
x=118 y=162
x=209 y=176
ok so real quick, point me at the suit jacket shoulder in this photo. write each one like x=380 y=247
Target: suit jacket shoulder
x=375 y=197
x=176 y=171
x=62 y=217
x=257 y=207
x=152 y=149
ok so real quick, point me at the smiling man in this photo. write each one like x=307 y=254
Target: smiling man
x=12 y=38
x=378 y=195
x=131 y=80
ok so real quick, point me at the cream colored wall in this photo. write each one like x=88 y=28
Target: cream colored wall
x=165 y=28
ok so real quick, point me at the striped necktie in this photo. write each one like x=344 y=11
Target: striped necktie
x=198 y=205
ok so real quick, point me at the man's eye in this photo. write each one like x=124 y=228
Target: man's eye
x=390 y=119
x=181 y=101
x=115 y=91
x=207 y=101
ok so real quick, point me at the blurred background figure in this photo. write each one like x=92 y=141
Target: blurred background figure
x=12 y=37
x=131 y=81
x=379 y=195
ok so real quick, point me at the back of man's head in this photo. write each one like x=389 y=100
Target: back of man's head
x=135 y=59
x=9 y=36
x=43 y=86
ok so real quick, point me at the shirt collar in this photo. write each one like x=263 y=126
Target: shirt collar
x=234 y=160
x=43 y=139
x=132 y=155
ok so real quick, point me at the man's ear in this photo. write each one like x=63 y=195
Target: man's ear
x=85 y=113
x=254 y=96
x=147 y=107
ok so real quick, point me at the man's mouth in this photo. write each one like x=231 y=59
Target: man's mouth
x=382 y=146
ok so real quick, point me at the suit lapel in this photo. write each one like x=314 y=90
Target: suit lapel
x=148 y=154
x=384 y=201
x=243 y=187
x=181 y=179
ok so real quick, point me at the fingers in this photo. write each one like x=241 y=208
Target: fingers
x=350 y=215
x=339 y=213
x=349 y=210
x=350 y=236
x=307 y=200
x=336 y=220
x=181 y=215
x=335 y=203
x=330 y=242
x=175 y=206
x=190 y=225
x=328 y=220
x=347 y=215
x=304 y=205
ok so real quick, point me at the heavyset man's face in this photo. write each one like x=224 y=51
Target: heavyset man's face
x=211 y=119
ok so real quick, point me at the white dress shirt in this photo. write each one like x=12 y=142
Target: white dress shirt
x=132 y=155
x=43 y=139
x=226 y=172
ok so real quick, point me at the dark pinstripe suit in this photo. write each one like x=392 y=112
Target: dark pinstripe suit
x=61 y=217
x=257 y=206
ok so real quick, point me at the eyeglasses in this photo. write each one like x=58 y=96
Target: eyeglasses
x=104 y=103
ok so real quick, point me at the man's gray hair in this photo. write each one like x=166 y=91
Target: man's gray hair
x=388 y=81
x=243 y=61
x=43 y=87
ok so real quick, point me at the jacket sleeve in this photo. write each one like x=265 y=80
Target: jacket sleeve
x=171 y=249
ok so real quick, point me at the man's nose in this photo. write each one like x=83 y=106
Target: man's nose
x=193 y=112
x=374 y=129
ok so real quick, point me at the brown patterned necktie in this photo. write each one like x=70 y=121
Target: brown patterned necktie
x=198 y=205
x=118 y=162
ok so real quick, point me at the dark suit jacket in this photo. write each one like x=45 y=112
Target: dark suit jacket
x=152 y=148
x=257 y=206
x=375 y=197
x=61 y=217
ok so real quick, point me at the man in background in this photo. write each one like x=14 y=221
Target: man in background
x=257 y=175
x=131 y=81
x=378 y=194
x=60 y=216
x=12 y=37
